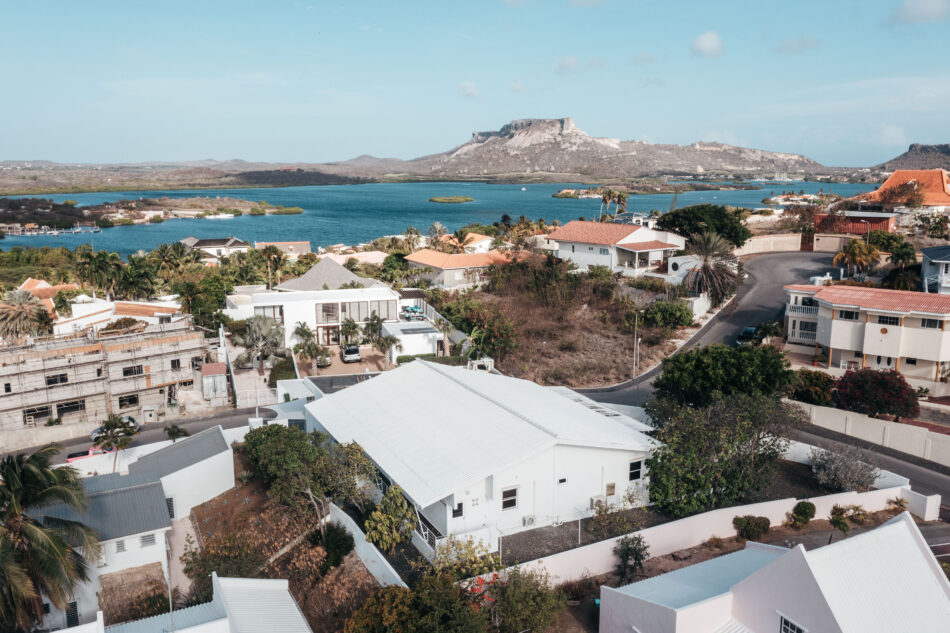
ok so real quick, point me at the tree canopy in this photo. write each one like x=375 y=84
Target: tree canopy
x=706 y=218
x=700 y=376
x=874 y=392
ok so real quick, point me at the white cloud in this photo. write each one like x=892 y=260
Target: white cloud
x=797 y=45
x=918 y=11
x=468 y=89
x=516 y=86
x=892 y=135
x=643 y=58
x=709 y=44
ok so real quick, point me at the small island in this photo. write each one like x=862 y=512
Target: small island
x=452 y=199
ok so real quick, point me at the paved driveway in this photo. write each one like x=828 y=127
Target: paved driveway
x=760 y=298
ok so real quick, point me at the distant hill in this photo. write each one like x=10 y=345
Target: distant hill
x=920 y=156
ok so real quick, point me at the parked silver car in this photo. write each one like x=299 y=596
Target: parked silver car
x=351 y=354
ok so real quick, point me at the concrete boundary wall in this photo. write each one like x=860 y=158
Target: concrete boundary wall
x=778 y=243
x=375 y=562
x=28 y=437
x=913 y=440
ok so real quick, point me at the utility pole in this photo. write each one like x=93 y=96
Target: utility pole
x=636 y=344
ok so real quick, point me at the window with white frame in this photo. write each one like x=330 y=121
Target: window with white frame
x=888 y=320
x=787 y=626
x=509 y=499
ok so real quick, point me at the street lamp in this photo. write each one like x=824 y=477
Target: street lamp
x=869 y=230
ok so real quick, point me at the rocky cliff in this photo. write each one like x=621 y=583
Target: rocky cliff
x=920 y=156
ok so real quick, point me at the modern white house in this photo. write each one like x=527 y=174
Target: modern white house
x=415 y=337
x=322 y=298
x=97 y=313
x=629 y=249
x=239 y=605
x=855 y=327
x=884 y=580
x=483 y=455
x=192 y=470
x=129 y=514
x=218 y=247
x=935 y=270
x=456 y=270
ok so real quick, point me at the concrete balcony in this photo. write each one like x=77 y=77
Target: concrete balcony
x=798 y=335
x=792 y=309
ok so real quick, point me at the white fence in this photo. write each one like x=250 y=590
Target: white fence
x=255 y=397
x=375 y=562
x=777 y=243
x=913 y=440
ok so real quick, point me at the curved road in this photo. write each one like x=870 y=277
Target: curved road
x=759 y=299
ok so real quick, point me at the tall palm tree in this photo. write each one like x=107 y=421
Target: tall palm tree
x=435 y=233
x=349 y=329
x=164 y=259
x=606 y=197
x=274 y=258
x=621 y=199
x=40 y=555
x=116 y=435
x=262 y=339
x=903 y=255
x=138 y=279
x=713 y=276
x=175 y=432
x=311 y=350
x=373 y=328
x=445 y=328
x=458 y=240
x=384 y=344
x=857 y=255
x=412 y=238
x=20 y=314
x=303 y=332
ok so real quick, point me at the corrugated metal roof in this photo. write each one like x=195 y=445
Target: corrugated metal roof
x=182 y=454
x=182 y=619
x=119 y=505
x=937 y=253
x=433 y=428
x=689 y=585
x=885 y=579
x=261 y=606
x=733 y=626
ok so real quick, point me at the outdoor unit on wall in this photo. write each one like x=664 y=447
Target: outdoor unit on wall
x=527 y=520
x=596 y=500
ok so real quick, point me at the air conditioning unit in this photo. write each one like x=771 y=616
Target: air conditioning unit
x=527 y=520
x=596 y=500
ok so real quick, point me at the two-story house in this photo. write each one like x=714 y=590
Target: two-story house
x=935 y=270
x=854 y=327
x=629 y=249
x=483 y=455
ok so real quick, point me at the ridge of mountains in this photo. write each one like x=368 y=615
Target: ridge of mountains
x=520 y=151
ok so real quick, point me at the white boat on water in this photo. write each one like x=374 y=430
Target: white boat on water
x=524 y=188
x=220 y=216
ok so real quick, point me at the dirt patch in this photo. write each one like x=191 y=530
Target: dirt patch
x=119 y=590
x=791 y=480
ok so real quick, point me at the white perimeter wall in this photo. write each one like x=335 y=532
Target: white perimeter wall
x=778 y=243
x=200 y=482
x=375 y=562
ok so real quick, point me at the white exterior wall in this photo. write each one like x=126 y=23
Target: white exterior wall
x=200 y=482
x=87 y=594
x=585 y=255
x=785 y=587
x=412 y=344
x=619 y=613
x=587 y=470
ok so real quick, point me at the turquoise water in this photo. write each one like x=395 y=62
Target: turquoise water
x=352 y=214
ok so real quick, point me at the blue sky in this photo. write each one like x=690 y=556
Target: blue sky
x=845 y=82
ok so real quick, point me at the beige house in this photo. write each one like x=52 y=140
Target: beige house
x=853 y=327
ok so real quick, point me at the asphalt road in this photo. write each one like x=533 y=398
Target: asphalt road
x=156 y=432
x=759 y=299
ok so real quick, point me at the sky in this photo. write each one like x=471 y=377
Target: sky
x=845 y=82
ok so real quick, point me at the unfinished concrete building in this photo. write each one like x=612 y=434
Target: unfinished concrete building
x=85 y=378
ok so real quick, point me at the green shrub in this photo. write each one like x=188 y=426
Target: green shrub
x=238 y=327
x=432 y=358
x=104 y=223
x=751 y=528
x=282 y=370
x=156 y=219
x=802 y=513
x=813 y=387
x=287 y=211
x=54 y=422
x=669 y=314
x=338 y=543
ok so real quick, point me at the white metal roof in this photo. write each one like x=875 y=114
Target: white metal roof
x=434 y=429
x=885 y=579
x=261 y=606
x=634 y=417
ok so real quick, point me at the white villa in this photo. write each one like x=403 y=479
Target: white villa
x=856 y=327
x=216 y=248
x=885 y=580
x=239 y=605
x=629 y=249
x=484 y=455
x=96 y=313
x=318 y=299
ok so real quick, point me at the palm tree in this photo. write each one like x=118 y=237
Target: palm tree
x=349 y=329
x=445 y=328
x=373 y=328
x=769 y=330
x=175 y=432
x=20 y=314
x=384 y=344
x=311 y=350
x=138 y=279
x=40 y=555
x=435 y=233
x=714 y=276
x=903 y=254
x=458 y=240
x=303 y=332
x=621 y=200
x=274 y=258
x=116 y=435
x=857 y=254
x=412 y=238
x=606 y=197
x=165 y=259
x=262 y=339
x=188 y=292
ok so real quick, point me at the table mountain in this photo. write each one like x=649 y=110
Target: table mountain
x=920 y=156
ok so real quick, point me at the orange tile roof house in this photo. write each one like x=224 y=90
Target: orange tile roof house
x=455 y=270
x=42 y=290
x=856 y=327
x=629 y=249
x=933 y=183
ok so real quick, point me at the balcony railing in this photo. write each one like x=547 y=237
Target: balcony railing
x=803 y=309
x=804 y=336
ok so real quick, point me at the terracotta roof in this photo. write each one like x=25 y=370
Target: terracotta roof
x=50 y=292
x=652 y=245
x=123 y=308
x=32 y=284
x=935 y=184
x=906 y=301
x=443 y=261
x=214 y=369
x=592 y=232
x=803 y=287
